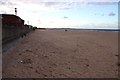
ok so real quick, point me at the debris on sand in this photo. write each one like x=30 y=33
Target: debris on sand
x=26 y=61
x=66 y=30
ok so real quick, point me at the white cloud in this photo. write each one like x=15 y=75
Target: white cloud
x=47 y=5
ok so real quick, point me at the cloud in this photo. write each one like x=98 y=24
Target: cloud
x=47 y=5
x=2 y=2
x=99 y=14
x=64 y=8
x=37 y=1
x=65 y=17
x=3 y=12
x=111 y=14
x=57 y=5
x=54 y=3
x=6 y=2
x=6 y=6
x=102 y=3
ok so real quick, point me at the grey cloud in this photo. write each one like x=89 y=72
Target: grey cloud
x=102 y=3
x=48 y=4
x=93 y=3
x=52 y=3
x=57 y=5
x=65 y=17
x=2 y=3
x=6 y=2
x=65 y=8
x=111 y=14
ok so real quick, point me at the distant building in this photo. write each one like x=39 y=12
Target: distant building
x=42 y=28
x=28 y=26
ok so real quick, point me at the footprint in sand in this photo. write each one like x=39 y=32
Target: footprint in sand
x=31 y=67
x=45 y=56
x=118 y=64
x=15 y=76
x=68 y=68
x=37 y=71
x=50 y=67
x=87 y=65
x=116 y=55
x=54 y=64
x=28 y=50
x=50 y=71
x=20 y=54
x=45 y=75
x=52 y=52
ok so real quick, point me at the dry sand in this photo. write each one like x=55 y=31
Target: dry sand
x=63 y=54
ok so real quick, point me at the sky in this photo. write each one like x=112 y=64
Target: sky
x=97 y=14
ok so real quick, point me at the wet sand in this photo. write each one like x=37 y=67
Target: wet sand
x=63 y=54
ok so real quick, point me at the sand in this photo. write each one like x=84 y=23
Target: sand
x=63 y=54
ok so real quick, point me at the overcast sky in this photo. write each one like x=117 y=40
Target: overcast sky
x=65 y=13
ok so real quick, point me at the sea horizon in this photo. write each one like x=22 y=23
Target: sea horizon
x=95 y=29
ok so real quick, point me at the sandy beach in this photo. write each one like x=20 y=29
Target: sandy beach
x=63 y=54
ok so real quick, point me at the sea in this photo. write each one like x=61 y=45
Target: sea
x=111 y=30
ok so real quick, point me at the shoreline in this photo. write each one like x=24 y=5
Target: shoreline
x=111 y=30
